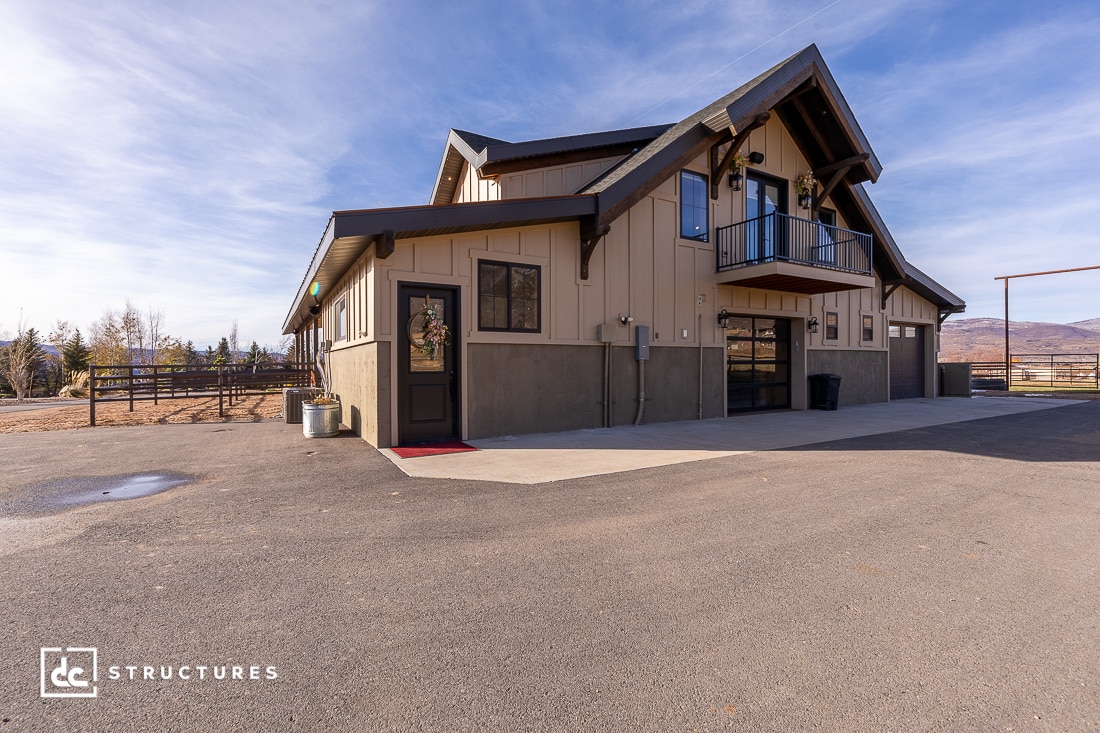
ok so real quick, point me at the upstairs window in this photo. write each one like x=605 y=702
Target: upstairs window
x=509 y=297
x=340 y=332
x=868 y=328
x=694 y=207
x=832 y=326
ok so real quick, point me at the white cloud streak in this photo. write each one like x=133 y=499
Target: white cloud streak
x=187 y=156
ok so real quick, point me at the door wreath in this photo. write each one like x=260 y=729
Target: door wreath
x=427 y=330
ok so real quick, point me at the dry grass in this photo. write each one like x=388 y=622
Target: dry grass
x=252 y=408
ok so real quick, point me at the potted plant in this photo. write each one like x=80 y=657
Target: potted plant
x=321 y=414
x=321 y=417
x=736 y=166
x=806 y=185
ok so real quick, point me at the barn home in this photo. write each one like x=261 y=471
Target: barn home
x=714 y=265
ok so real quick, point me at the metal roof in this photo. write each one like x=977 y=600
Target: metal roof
x=801 y=90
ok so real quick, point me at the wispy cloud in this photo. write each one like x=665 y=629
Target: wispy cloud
x=187 y=155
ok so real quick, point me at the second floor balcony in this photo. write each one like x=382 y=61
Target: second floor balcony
x=783 y=252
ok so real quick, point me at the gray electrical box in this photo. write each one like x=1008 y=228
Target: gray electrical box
x=641 y=343
x=605 y=333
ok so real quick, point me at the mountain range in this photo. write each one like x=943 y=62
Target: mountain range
x=983 y=339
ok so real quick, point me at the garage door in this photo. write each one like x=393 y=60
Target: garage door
x=906 y=362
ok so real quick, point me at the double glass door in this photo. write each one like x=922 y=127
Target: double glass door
x=758 y=364
x=764 y=240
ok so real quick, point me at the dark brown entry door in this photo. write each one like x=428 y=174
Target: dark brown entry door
x=906 y=362
x=427 y=377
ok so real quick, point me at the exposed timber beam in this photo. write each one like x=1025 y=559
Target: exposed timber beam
x=839 y=169
x=887 y=292
x=717 y=167
x=385 y=245
x=591 y=234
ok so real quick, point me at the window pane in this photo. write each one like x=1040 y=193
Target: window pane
x=694 y=206
x=508 y=297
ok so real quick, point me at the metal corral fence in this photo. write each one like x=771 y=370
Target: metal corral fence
x=1071 y=371
x=136 y=382
x=1077 y=371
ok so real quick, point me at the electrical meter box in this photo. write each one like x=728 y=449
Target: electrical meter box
x=641 y=343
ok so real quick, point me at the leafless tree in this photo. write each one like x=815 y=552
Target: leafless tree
x=234 y=343
x=154 y=324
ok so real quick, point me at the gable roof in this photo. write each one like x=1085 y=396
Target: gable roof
x=802 y=80
x=800 y=90
x=490 y=156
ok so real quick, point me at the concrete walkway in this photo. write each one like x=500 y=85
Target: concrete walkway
x=532 y=459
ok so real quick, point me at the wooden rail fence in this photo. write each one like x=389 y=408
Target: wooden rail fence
x=136 y=382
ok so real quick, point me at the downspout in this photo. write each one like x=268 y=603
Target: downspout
x=606 y=384
x=641 y=392
x=700 y=332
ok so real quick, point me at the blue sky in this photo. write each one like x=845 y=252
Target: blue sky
x=187 y=155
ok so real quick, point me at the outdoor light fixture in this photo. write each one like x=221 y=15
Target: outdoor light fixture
x=735 y=181
x=314 y=289
x=812 y=325
x=756 y=158
x=724 y=318
x=804 y=200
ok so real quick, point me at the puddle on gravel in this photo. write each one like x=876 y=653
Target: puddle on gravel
x=80 y=491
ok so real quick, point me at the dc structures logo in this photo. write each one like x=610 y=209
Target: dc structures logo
x=69 y=671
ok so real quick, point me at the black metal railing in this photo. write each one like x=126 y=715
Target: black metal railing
x=782 y=238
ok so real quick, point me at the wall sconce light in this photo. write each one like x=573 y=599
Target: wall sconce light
x=735 y=181
x=314 y=289
x=724 y=319
x=756 y=158
x=805 y=199
x=812 y=325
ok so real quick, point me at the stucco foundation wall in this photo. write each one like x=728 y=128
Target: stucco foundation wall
x=671 y=384
x=864 y=374
x=534 y=388
x=360 y=377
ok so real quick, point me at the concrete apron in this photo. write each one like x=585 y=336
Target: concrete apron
x=534 y=459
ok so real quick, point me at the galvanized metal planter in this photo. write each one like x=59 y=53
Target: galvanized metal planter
x=320 y=421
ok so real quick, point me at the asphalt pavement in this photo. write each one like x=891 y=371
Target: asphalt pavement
x=942 y=578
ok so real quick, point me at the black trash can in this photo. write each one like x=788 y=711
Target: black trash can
x=824 y=391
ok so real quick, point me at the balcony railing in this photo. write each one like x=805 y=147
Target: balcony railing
x=782 y=238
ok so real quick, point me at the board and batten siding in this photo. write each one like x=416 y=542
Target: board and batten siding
x=557 y=180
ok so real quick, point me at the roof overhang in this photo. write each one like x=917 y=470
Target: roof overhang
x=892 y=266
x=800 y=85
x=350 y=233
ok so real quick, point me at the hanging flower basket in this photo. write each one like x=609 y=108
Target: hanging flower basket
x=806 y=184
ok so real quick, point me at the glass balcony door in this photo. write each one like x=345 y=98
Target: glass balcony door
x=764 y=196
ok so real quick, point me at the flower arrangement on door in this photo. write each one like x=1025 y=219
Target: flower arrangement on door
x=433 y=330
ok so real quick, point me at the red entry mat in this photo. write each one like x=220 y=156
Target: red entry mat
x=433 y=449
